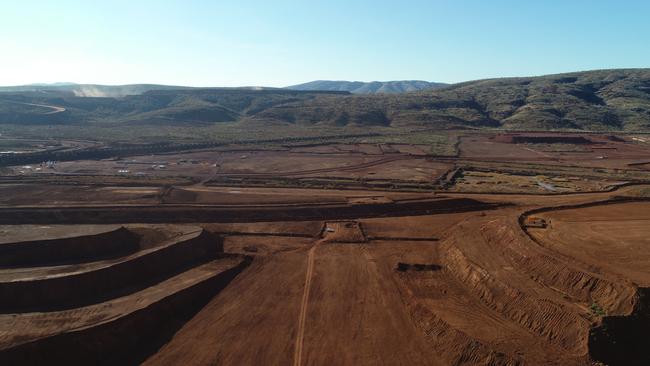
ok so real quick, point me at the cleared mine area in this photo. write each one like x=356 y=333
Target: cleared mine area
x=519 y=249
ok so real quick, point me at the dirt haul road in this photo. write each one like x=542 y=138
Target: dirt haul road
x=297 y=354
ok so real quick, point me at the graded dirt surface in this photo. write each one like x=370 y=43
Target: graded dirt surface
x=253 y=163
x=611 y=236
x=594 y=151
x=355 y=327
x=184 y=267
x=476 y=181
x=54 y=194
x=13 y=233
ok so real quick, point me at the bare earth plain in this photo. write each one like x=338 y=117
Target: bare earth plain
x=519 y=249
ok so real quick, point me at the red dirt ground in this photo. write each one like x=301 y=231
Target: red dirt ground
x=615 y=237
x=601 y=152
x=287 y=276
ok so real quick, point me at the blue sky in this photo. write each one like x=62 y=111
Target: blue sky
x=282 y=42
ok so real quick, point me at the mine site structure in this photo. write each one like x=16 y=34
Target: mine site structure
x=95 y=289
x=517 y=248
x=240 y=213
x=343 y=232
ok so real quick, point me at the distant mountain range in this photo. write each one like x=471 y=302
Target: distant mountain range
x=118 y=91
x=373 y=87
x=603 y=100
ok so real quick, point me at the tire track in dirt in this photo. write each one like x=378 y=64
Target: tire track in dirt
x=300 y=334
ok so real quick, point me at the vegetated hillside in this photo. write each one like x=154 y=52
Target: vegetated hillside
x=373 y=87
x=172 y=107
x=593 y=100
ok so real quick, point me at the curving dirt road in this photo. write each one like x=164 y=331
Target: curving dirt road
x=55 y=109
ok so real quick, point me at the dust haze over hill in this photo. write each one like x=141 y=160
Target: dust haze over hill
x=91 y=90
x=593 y=100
